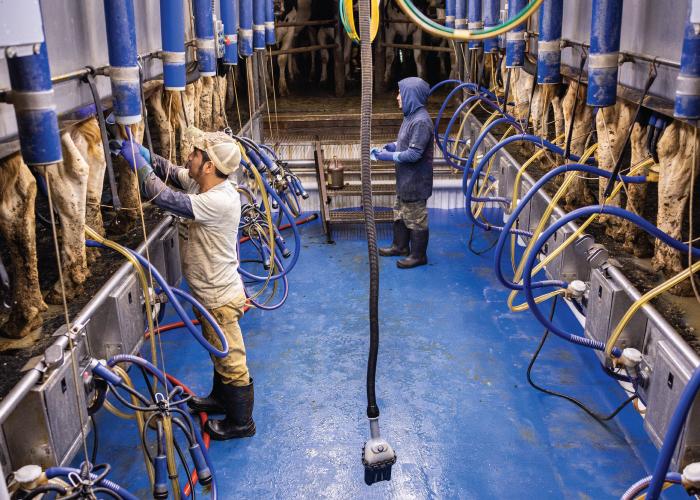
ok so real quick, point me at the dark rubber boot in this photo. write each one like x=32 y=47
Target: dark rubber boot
x=419 y=245
x=213 y=403
x=400 y=244
x=238 y=401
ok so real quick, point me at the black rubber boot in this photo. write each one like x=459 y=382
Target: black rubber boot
x=238 y=402
x=213 y=403
x=419 y=245
x=399 y=246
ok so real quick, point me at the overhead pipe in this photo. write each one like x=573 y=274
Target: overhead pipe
x=172 y=32
x=123 y=62
x=450 y=6
x=204 y=33
x=259 y=9
x=245 y=28
x=688 y=81
x=229 y=16
x=474 y=21
x=270 y=22
x=515 y=39
x=32 y=97
x=491 y=18
x=606 y=22
x=549 y=43
x=460 y=14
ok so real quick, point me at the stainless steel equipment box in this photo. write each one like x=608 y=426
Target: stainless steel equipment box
x=117 y=325
x=44 y=429
x=607 y=303
x=20 y=26
x=171 y=250
x=669 y=374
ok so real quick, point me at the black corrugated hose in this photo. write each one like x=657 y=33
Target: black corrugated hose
x=368 y=207
x=378 y=456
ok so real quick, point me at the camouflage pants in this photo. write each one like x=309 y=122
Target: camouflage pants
x=413 y=213
x=232 y=368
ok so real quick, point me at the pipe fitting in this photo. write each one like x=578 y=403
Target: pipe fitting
x=576 y=289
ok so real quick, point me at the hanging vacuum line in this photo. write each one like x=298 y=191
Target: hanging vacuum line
x=475 y=22
x=430 y=26
x=377 y=455
x=259 y=13
x=687 y=104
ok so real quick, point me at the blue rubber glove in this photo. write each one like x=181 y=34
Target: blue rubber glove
x=373 y=153
x=116 y=145
x=391 y=147
x=132 y=154
x=384 y=155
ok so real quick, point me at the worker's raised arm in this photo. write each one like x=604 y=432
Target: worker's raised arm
x=151 y=180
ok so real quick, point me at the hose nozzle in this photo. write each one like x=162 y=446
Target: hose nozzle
x=377 y=456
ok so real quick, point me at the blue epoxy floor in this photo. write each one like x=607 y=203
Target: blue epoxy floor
x=454 y=398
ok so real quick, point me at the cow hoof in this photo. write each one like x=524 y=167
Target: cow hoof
x=20 y=325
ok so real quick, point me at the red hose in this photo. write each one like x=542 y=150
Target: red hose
x=298 y=222
x=203 y=418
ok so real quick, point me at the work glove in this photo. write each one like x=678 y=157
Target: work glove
x=385 y=155
x=373 y=153
x=391 y=147
x=131 y=152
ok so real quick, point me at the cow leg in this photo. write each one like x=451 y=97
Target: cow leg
x=578 y=194
x=283 y=61
x=88 y=141
x=676 y=156
x=635 y=240
x=418 y=54
x=612 y=124
x=206 y=102
x=17 y=225
x=159 y=113
x=347 y=54
x=219 y=103
x=68 y=185
x=390 y=54
x=324 y=36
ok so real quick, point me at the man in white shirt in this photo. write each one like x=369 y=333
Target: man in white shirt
x=211 y=207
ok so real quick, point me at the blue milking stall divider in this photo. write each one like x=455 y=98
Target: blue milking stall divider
x=453 y=356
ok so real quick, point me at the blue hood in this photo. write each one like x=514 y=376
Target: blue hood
x=414 y=94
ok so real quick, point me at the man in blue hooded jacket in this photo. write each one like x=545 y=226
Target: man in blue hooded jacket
x=412 y=154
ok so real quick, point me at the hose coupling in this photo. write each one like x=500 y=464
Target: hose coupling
x=576 y=289
x=597 y=255
x=691 y=478
x=99 y=367
x=630 y=359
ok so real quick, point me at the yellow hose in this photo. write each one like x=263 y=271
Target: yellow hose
x=170 y=454
x=350 y=16
x=568 y=179
x=91 y=233
x=268 y=214
x=651 y=294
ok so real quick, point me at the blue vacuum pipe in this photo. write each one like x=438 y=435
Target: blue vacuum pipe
x=548 y=46
x=460 y=14
x=32 y=96
x=172 y=32
x=259 y=8
x=245 y=29
x=474 y=21
x=450 y=6
x=53 y=472
x=606 y=22
x=229 y=16
x=124 y=69
x=586 y=212
x=204 y=32
x=688 y=81
x=270 y=22
x=515 y=39
x=491 y=11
